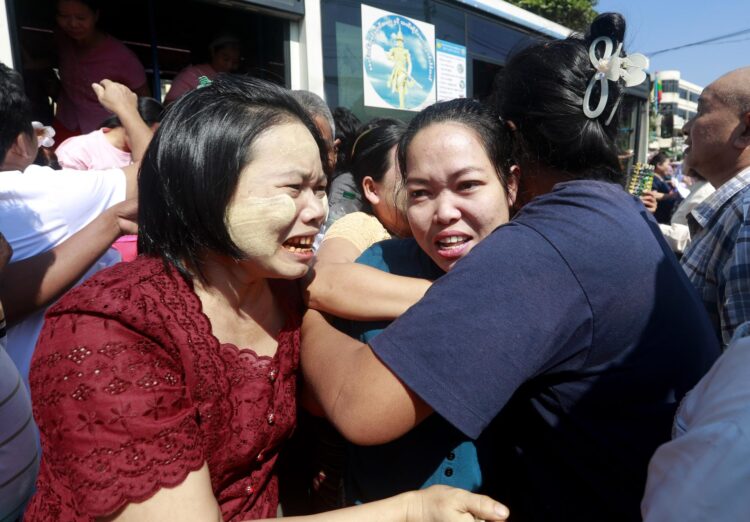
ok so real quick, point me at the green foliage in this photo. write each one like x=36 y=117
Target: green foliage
x=575 y=14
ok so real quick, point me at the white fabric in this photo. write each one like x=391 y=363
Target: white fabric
x=704 y=472
x=39 y=209
x=677 y=232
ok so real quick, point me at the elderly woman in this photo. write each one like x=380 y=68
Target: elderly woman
x=164 y=388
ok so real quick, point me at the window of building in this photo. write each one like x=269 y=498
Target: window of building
x=694 y=96
x=684 y=94
x=670 y=85
x=667 y=108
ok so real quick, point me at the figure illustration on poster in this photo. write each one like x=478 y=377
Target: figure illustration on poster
x=399 y=61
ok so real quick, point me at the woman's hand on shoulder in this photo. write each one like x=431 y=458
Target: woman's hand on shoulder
x=447 y=504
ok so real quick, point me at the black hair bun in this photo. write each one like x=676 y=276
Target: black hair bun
x=611 y=25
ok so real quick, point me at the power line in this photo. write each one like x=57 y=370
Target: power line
x=701 y=42
x=730 y=41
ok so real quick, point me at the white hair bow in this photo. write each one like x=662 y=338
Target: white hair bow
x=611 y=66
x=44 y=134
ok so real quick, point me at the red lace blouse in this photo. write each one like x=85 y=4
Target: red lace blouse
x=132 y=392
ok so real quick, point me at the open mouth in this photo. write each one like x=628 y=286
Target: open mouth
x=451 y=241
x=452 y=246
x=299 y=244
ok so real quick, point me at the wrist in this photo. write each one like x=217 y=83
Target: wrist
x=111 y=220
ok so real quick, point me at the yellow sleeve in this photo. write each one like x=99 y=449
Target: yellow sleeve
x=361 y=229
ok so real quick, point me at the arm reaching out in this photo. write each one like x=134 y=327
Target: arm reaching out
x=339 y=286
x=123 y=103
x=434 y=504
x=193 y=500
x=366 y=402
x=33 y=283
x=362 y=293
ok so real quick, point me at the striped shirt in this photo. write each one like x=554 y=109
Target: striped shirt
x=19 y=458
x=717 y=261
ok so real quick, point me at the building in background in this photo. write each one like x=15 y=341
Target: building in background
x=676 y=101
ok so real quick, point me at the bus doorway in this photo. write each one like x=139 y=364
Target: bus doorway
x=165 y=35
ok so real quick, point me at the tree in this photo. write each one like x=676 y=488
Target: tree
x=575 y=14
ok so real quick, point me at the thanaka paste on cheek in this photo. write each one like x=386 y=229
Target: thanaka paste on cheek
x=257 y=225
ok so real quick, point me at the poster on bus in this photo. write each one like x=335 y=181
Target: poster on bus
x=398 y=60
x=451 y=70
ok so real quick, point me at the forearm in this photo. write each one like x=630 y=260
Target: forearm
x=434 y=504
x=393 y=509
x=366 y=402
x=131 y=180
x=139 y=134
x=362 y=293
x=33 y=283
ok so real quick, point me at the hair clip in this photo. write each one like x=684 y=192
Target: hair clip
x=44 y=134
x=611 y=67
x=354 y=147
x=203 y=81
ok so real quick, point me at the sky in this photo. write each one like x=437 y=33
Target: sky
x=653 y=25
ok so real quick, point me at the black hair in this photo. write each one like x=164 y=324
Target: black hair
x=346 y=132
x=541 y=96
x=658 y=159
x=15 y=109
x=192 y=166
x=370 y=155
x=484 y=121
x=151 y=112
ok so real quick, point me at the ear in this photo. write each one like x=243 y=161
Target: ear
x=513 y=178
x=742 y=141
x=19 y=154
x=24 y=146
x=370 y=190
x=336 y=145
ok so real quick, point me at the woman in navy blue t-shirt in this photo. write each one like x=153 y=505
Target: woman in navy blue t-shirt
x=567 y=337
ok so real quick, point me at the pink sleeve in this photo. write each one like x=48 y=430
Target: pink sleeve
x=116 y=419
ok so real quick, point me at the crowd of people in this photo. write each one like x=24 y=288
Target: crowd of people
x=460 y=317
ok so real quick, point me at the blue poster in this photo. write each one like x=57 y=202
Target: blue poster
x=398 y=60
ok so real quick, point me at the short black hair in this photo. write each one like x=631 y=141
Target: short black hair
x=192 y=166
x=658 y=159
x=151 y=112
x=15 y=109
x=542 y=92
x=483 y=120
x=370 y=150
x=347 y=124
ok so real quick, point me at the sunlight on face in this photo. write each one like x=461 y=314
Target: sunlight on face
x=455 y=198
x=280 y=202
